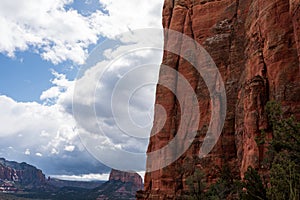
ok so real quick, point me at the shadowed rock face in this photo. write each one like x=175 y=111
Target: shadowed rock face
x=256 y=47
x=25 y=174
x=121 y=185
x=126 y=177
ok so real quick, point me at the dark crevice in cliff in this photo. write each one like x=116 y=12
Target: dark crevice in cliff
x=265 y=69
x=234 y=22
x=237 y=8
x=190 y=14
x=171 y=12
x=264 y=95
x=295 y=10
x=261 y=54
x=175 y=121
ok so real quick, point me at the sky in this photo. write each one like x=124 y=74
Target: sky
x=75 y=88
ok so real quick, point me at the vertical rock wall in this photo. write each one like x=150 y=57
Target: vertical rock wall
x=256 y=47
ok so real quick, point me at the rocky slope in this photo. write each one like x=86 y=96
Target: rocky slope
x=22 y=173
x=256 y=47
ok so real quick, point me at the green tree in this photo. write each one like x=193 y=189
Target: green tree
x=286 y=132
x=253 y=186
x=284 y=179
x=197 y=185
x=285 y=152
x=225 y=187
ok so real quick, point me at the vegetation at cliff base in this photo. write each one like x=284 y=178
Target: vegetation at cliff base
x=283 y=165
x=285 y=152
x=196 y=185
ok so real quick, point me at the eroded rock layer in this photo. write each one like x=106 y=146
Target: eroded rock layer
x=22 y=173
x=126 y=177
x=256 y=47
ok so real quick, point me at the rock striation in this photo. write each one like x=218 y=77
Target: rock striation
x=121 y=185
x=22 y=173
x=126 y=177
x=256 y=46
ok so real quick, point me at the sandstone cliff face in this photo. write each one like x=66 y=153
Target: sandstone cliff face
x=23 y=173
x=121 y=185
x=256 y=47
x=126 y=177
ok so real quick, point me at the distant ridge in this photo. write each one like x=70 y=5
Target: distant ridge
x=21 y=181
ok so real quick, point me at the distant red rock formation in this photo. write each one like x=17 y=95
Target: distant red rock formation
x=121 y=185
x=126 y=177
x=23 y=173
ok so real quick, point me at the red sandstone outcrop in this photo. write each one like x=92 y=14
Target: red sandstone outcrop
x=126 y=177
x=256 y=47
x=121 y=185
x=25 y=174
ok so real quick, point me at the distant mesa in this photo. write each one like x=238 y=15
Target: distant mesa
x=126 y=177
x=121 y=185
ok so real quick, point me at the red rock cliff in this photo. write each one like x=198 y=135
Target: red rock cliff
x=23 y=173
x=256 y=47
x=126 y=177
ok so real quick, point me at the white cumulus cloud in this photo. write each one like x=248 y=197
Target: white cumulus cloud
x=69 y=148
x=59 y=33
x=38 y=154
x=38 y=127
x=27 y=152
